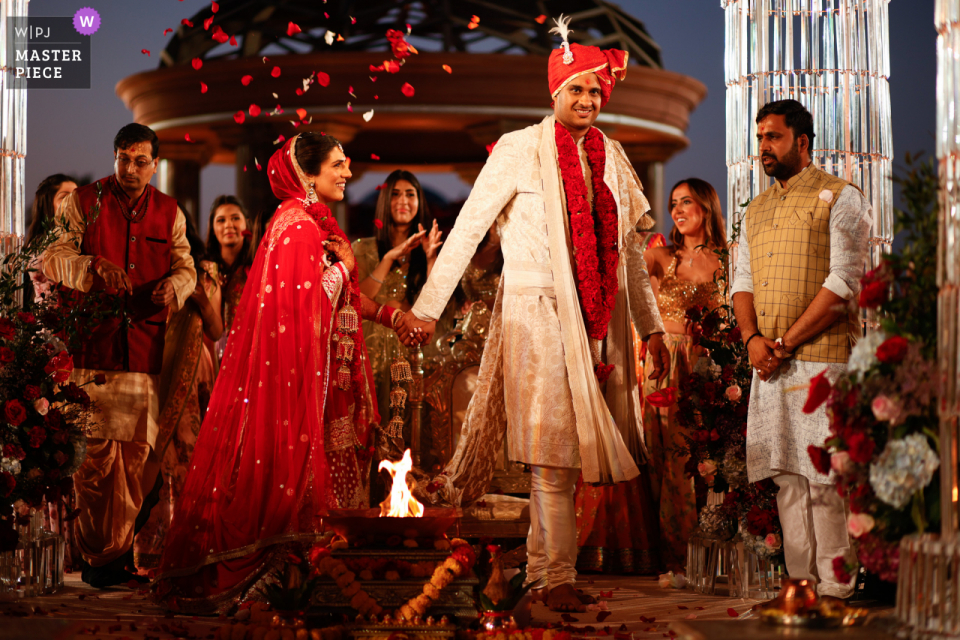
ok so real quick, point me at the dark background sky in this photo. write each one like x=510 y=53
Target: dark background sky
x=71 y=131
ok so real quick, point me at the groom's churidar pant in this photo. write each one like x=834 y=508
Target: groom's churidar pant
x=552 y=540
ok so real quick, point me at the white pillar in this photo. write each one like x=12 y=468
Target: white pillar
x=13 y=135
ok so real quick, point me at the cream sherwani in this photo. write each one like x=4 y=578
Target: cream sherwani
x=536 y=377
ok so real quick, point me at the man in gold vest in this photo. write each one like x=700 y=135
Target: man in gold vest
x=801 y=255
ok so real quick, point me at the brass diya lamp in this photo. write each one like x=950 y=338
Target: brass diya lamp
x=799 y=605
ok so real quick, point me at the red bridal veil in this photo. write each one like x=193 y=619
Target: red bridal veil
x=280 y=440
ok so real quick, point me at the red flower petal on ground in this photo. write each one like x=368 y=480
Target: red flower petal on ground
x=275 y=72
x=254 y=110
x=407 y=89
x=820 y=389
x=239 y=116
x=246 y=80
x=663 y=398
x=146 y=51
x=292 y=29
x=732 y=612
x=892 y=350
x=197 y=63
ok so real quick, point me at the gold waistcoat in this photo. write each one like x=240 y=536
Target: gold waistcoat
x=789 y=236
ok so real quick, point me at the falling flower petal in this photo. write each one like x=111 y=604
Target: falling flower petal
x=323 y=79
x=376 y=97
x=407 y=89
x=166 y=31
x=339 y=38
x=491 y=146
x=254 y=110
x=280 y=139
x=275 y=96
x=219 y=35
x=374 y=156
x=292 y=29
x=381 y=186
x=353 y=20
x=299 y=91
x=663 y=398
x=197 y=63
x=257 y=162
x=349 y=107
x=207 y=23
x=244 y=168
x=186 y=23
x=378 y=223
x=391 y=66
x=368 y=115
x=233 y=41
x=214 y=7
x=820 y=389
x=187 y=138
x=239 y=116
x=302 y=113
x=203 y=87
x=277 y=111
x=275 y=72
x=447 y=68
x=350 y=91
x=472 y=25
x=329 y=36
x=246 y=80
x=541 y=19
x=146 y=51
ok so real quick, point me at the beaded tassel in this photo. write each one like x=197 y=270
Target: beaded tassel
x=345 y=348
x=395 y=427
x=344 y=376
x=348 y=322
x=398 y=398
x=400 y=371
x=347 y=319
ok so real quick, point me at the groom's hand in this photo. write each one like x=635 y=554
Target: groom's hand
x=412 y=331
x=659 y=355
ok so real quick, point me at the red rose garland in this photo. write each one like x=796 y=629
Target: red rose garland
x=594 y=236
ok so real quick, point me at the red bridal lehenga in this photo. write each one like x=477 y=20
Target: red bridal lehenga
x=280 y=440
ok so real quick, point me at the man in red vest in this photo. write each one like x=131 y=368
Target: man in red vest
x=124 y=237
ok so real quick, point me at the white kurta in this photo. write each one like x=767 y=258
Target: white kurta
x=778 y=431
x=525 y=377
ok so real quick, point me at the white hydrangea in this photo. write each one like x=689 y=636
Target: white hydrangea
x=864 y=354
x=707 y=368
x=905 y=467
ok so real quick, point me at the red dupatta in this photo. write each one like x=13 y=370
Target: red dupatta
x=261 y=472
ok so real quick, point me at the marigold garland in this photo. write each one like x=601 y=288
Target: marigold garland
x=593 y=232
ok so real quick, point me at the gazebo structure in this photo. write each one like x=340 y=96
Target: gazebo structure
x=480 y=72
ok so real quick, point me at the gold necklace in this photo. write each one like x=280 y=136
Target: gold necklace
x=697 y=251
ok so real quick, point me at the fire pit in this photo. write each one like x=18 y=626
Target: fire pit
x=366 y=525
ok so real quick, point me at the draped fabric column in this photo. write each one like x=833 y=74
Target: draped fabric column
x=13 y=133
x=833 y=56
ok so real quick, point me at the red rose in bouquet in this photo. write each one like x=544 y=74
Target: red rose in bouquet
x=37 y=436
x=76 y=394
x=15 y=412
x=31 y=392
x=860 y=447
x=7 y=329
x=60 y=367
x=26 y=318
x=14 y=451
x=6 y=355
x=7 y=484
x=892 y=350
x=874 y=294
x=759 y=521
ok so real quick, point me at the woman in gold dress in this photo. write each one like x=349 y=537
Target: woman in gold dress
x=682 y=275
x=393 y=266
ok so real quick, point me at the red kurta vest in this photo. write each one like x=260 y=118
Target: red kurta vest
x=143 y=249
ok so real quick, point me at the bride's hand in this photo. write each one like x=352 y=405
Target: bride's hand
x=342 y=249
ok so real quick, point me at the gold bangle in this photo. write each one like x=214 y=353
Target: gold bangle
x=396 y=318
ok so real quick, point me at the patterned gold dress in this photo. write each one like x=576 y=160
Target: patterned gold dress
x=671 y=489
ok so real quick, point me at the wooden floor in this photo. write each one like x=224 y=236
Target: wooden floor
x=633 y=605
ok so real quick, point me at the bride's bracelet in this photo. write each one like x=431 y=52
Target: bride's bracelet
x=396 y=318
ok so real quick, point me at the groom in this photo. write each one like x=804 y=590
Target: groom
x=560 y=340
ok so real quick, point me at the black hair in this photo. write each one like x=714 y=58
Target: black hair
x=417 y=272
x=214 y=251
x=42 y=213
x=798 y=119
x=312 y=149
x=134 y=133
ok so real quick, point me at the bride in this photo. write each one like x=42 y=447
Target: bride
x=290 y=418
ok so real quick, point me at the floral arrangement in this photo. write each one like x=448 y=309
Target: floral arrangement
x=594 y=235
x=500 y=594
x=712 y=409
x=883 y=443
x=44 y=418
x=459 y=562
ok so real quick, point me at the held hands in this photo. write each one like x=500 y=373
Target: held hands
x=432 y=242
x=114 y=276
x=163 y=294
x=342 y=250
x=659 y=355
x=762 y=356
x=413 y=331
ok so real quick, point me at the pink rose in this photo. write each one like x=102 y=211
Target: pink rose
x=772 y=541
x=707 y=468
x=733 y=393
x=826 y=195
x=886 y=409
x=840 y=462
x=859 y=524
x=42 y=405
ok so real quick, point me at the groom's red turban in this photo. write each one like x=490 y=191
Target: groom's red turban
x=609 y=65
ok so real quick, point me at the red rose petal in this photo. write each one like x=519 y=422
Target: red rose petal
x=233 y=41
x=186 y=23
x=214 y=7
x=447 y=68
x=541 y=19
x=820 y=389
x=353 y=20
x=197 y=63
x=323 y=79
x=299 y=92
x=374 y=156
x=246 y=80
x=166 y=31
x=302 y=113
x=239 y=116
x=219 y=35
x=407 y=89
x=663 y=398
x=203 y=87
x=275 y=72
x=292 y=29
x=257 y=162
x=207 y=23
x=732 y=612
x=187 y=138
x=378 y=223
x=146 y=51
x=254 y=110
